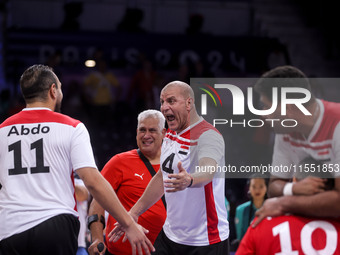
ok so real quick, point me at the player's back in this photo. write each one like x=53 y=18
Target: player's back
x=36 y=171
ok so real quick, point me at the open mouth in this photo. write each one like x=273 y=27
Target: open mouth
x=170 y=117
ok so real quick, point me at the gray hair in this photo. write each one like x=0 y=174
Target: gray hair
x=152 y=114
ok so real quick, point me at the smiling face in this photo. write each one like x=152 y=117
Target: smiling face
x=149 y=136
x=175 y=106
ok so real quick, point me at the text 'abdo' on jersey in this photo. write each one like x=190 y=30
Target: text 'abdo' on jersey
x=26 y=130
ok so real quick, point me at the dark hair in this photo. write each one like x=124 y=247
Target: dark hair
x=284 y=72
x=36 y=81
x=283 y=76
x=258 y=176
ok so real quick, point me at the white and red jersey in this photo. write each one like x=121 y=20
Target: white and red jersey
x=39 y=150
x=323 y=143
x=195 y=216
x=293 y=235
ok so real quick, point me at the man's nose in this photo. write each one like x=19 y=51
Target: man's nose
x=147 y=133
x=164 y=106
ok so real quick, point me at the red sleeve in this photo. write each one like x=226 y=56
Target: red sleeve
x=112 y=172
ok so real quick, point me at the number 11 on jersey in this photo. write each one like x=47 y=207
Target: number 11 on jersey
x=39 y=158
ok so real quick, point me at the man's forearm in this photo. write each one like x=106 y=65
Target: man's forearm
x=206 y=172
x=325 y=204
x=96 y=228
x=275 y=187
x=103 y=193
x=153 y=192
x=81 y=192
x=201 y=179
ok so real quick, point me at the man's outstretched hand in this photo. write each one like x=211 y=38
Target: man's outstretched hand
x=177 y=182
x=135 y=233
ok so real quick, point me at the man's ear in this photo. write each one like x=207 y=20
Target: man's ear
x=53 y=91
x=189 y=103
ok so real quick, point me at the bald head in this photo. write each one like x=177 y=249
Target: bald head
x=178 y=106
x=185 y=90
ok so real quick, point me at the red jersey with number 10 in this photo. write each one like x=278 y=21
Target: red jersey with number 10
x=293 y=235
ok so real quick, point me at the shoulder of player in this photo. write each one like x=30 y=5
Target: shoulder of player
x=198 y=130
x=203 y=127
x=331 y=112
x=10 y=120
x=41 y=116
x=62 y=119
x=331 y=106
x=330 y=121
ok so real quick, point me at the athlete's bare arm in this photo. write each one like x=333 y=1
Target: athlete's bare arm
x=102 y=191
x=96 y=228
x=82 y=193
x=324 y=204
x=153 y=192
x=307 y=186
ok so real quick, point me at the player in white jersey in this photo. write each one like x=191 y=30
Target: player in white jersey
x=196 y=220
x=316 y=136
x=39 y=150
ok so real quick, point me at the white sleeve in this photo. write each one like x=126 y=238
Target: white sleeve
x=81 y=150
x=281 y=157
x=211 y=145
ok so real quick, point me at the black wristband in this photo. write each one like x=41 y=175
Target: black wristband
x=94 y=218
x=192 y=180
